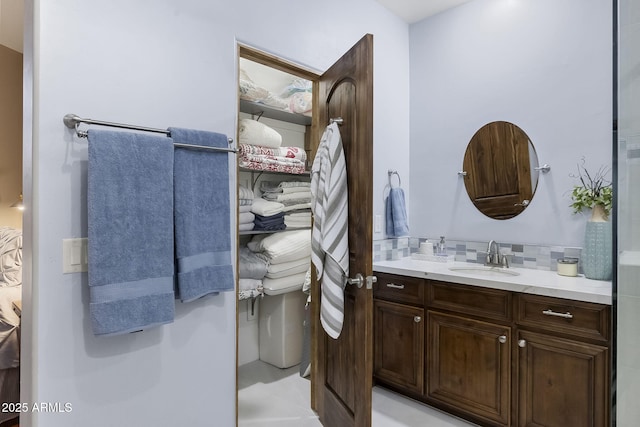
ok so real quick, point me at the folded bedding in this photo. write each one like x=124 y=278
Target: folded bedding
x=297 y=222
x=301 y=103
x=253 y=92
x=295 y=269
x=296 y=207
x=283 y=284
x=264 y=207
x=251 y=265
x=269 y=223
x=283 y=247
x=272 y=166
x=289 y=265
x=246 y=217
x=283 y=152
x=244 y=193
x=279 y=186
x=298 y=197
x=246 y=227
x=253 y=132
x=285 y=161
x=245 y=208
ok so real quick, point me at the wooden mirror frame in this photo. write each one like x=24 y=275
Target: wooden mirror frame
x=499 y=170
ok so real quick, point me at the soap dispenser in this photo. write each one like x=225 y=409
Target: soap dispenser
x=442 y=247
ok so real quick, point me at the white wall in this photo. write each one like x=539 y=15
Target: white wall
x=159 y=64
x=544 y=65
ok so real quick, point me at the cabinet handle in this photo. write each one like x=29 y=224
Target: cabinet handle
x=393 y=285
x=566 y=315
x=417 y=319
x=502 y=339
x=522 y=343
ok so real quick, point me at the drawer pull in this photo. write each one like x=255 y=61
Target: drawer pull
x=394 y=286
x=566 y=315
x=417 y=319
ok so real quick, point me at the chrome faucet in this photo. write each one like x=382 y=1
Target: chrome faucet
x=494 y=258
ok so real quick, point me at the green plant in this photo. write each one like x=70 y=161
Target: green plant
x=593 y=190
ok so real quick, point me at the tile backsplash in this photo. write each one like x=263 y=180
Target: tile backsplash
x=523 y=256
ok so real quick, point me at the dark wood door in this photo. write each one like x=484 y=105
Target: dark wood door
x=562 y=383
x=342 y=371
x=498 y=178
x=399 y=346
x=469 y=367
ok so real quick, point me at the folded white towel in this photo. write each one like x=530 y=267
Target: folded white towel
x=283 y=247
x=253 y=132
x=244 y=193
x=264 y=207
x=301 y=197
x=246 y=218
x=285 y=266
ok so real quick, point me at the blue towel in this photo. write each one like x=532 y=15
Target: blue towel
x=396 y=214
x=202 y=215
x=130 y=221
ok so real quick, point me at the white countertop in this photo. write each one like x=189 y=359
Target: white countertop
x=530 y=281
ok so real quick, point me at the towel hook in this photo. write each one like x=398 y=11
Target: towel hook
x=338 y=120
x=391 y=172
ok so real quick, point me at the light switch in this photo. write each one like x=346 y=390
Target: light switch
x=377 y=224
x=74 y=255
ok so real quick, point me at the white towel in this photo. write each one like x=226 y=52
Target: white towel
x=330 y=239
x=264 y=207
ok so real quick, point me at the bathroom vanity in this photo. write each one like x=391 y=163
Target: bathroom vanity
x=494 y=348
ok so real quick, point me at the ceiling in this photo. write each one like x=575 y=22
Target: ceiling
x=416 y=10
x=12 y=11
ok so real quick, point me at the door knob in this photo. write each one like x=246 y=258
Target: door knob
x=417 y=319
x=360 y=280
x=502 y=339
x=522 y=343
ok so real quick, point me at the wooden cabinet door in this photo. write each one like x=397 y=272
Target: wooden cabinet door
x=399 y=345
x=469 y=367
x=561 y=382
x=342 y=368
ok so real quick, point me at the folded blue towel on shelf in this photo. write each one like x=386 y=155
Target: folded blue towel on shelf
x=202 y=215
x=130 y=231
x=396 y=214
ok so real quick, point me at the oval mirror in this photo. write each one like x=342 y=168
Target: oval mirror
x=500 y=164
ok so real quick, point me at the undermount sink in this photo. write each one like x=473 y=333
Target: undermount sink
x=484 y=270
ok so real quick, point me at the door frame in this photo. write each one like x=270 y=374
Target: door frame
x=273 y=61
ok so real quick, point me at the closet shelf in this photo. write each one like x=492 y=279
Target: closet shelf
x=254 y=171
x=256 y=109
x=252 y=232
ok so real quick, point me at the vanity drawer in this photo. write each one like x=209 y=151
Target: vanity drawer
x=579 y=318
x=474 y=300
x=402 y=289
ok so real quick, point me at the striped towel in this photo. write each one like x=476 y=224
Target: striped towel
x=329 y=239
